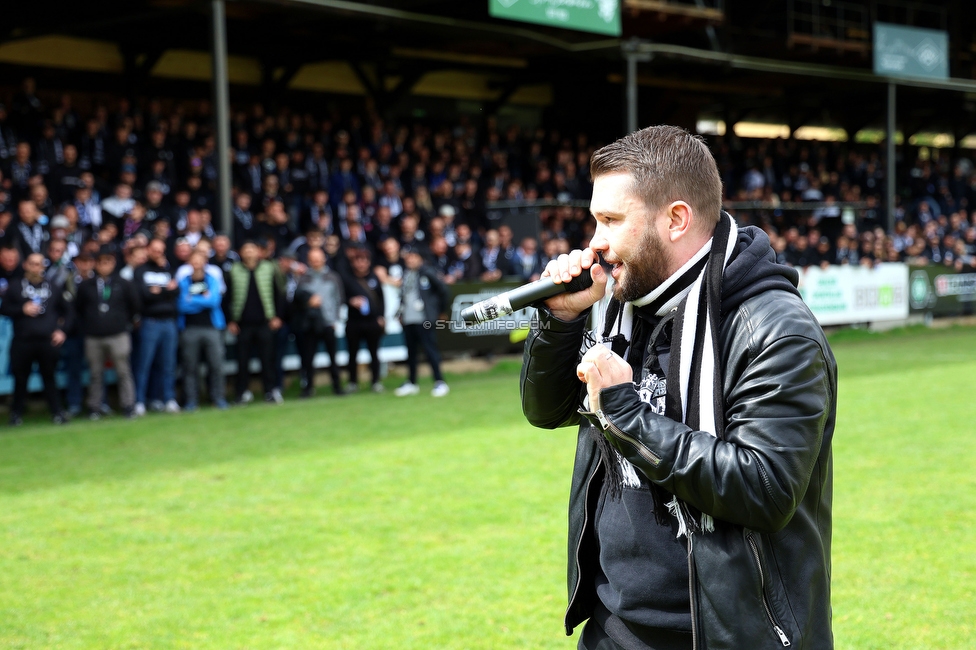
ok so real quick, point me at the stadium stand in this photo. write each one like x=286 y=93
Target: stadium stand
x=485 y=194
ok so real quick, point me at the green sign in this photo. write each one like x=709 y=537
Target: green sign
x=942 y=290
x=910 y=52
x=599 y=16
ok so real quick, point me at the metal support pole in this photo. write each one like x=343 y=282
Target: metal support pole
x=631 y=92
x=891 y=167
x=221 y=94
x=631 y=52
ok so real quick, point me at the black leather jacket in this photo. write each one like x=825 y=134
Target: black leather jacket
x=762 y=578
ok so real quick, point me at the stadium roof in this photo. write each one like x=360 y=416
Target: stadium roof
x=704 y=60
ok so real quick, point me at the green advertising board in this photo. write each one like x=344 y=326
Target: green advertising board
x=941 y=290
x=901 y=51
x=598 y=16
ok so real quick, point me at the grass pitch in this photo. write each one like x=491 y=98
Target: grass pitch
x=375 y=522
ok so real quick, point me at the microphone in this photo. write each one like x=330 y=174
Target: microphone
x=521 y=297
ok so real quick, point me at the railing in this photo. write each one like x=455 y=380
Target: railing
x=736 y=205
x=794 y=205
x=847 y=26
x=711 y=10
x=836 y=25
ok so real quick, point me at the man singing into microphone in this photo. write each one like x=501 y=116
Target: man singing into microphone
x=700 y=509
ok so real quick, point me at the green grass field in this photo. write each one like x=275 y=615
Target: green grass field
x=375 y=522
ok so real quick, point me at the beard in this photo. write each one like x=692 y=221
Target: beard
x=647 y=271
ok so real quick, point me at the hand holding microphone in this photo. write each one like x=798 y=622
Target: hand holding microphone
x=567 y=306
x=570 y=284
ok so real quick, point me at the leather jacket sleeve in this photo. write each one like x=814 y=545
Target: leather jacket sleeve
x=778 y=399
x=549 y=386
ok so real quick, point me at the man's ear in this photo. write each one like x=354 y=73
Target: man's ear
x=680 y=220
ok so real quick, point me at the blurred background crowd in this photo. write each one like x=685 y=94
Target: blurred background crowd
x=326 y=208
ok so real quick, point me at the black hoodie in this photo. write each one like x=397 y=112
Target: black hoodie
x=55 y=303
x=160 y=305
x=753 y=269
x=107 y=306
x=642 y=576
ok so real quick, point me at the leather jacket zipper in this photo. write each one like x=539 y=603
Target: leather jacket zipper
x=762 y=583
x=691 y=590
x=643 y=451
x=579 y=542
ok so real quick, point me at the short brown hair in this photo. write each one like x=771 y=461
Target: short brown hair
x=668 y=164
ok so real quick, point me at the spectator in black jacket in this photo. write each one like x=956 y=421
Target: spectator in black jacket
x=366 y=321
x=158 y=334
x=10 y=268
x=526 y=260
x=493 y=258
x=466 y=266
x=223 y=257
x=245 y=223
x=30 y=233
x=108 y=305
x=73 y=348
x=40 y=315
x=313 y=239
x=277 y=226
x=318 y=216
x=57 y=264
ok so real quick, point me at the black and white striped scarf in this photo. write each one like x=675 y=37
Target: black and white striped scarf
x=694 y=373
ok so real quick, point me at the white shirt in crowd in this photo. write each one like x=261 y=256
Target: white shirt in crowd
x=186 y=271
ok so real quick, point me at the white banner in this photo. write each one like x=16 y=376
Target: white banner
x=840 y=295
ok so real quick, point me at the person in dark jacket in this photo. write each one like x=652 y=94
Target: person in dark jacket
x=253 y=306
x=366 y=321
x=109 y=307
x=11 y=270
x=700 y=509
x=73 y=348
x=41 y=313
x=318 y=297
x=424 y=299
x=158 y=334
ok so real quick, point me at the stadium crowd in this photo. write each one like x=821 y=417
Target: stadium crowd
x=110 y=249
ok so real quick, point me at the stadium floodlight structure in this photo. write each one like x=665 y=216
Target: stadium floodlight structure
x=760 y=64
x=221 y=94
x=636 y=51
x=139 y=51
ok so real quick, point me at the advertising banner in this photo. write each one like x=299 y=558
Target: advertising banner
x=942 y=291
x=840 y=295
x=597 y=16
x=901 y=51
